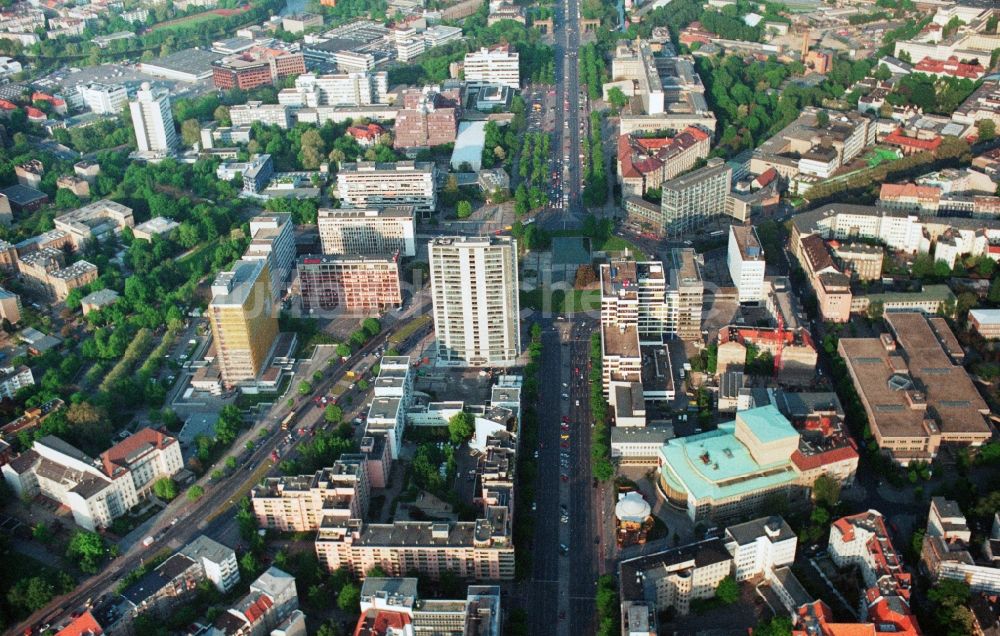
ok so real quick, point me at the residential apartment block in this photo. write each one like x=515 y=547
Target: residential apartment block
x=43 y=271
x=366 y=184
x=945 y=550
x=863 y=540
x=759 y=546
x=244 y=324
x=217 y=560
x=474 y=289
x=153 y=121
x=429 y=118
x=351 y=282
x=368 y=231
x=97 y=491
x=915 y=394
x=745 y=258
x=675 y=577
x=13 y=379
x=303 y=503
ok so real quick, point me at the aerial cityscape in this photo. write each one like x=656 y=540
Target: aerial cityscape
x=499 y=317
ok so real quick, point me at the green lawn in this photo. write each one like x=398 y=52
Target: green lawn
x=618 y=244
x=183 y=23
x=409 y=329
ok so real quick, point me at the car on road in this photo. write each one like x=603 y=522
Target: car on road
x=565 y=419
x=564 y=477
x=565 y=396
x=563 y=549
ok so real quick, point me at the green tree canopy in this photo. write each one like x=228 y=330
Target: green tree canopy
x=460 y=427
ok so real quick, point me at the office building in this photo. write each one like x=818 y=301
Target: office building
x=917 y=397
x=104 y=99
x=863 y=541
x=30 y=173
x=817 y=143
x=474 y=287
x=497 y=65
x=745 y=258
x=350 y=282
x=255 y=67
x=97 y=491
x=426 y=125
x=153 y=121
x=95 y=221
x=339 y=89
x=156 y=226
x=687 y=288
x=369 y=184
x=272 y=239
x=244 y=324
x=691 y=200
x=370 y=231
x=267 y=114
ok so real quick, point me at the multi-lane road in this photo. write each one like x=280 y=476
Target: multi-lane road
x=219 y=501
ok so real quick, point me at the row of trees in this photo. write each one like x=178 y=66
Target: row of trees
x=592 y=70
x=595 y=180
x=535 y=153
x=600 y=444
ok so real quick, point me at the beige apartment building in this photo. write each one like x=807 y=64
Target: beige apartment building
x=353 y=283
x=480 y=549
x=302 y=503
x=95 y=221
x=244 y=324
x=368 y=231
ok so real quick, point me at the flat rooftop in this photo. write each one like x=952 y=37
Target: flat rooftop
x=748 y=242
x=902 y=387
x=621 y=341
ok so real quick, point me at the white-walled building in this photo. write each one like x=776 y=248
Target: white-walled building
x=218 y=562
x=153 y=121
x=760 y=545
x=745 y=258
x=474 y=288
x=366 y=183
x=368 y=231
x=342 y=89
x=97 y=491
x=272 y=239
x=104 y=99
x=498 y=65
x=945 y=551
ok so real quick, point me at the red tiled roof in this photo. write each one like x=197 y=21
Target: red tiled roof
x=7 y=105
x=116 y=457
x=83 y=625
x=952 y=67
x=766 y=177
x=809 y=462
x=379 y=622
x=258 y=608
x=892 y=190
x=34 y=113
x=899 y=139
